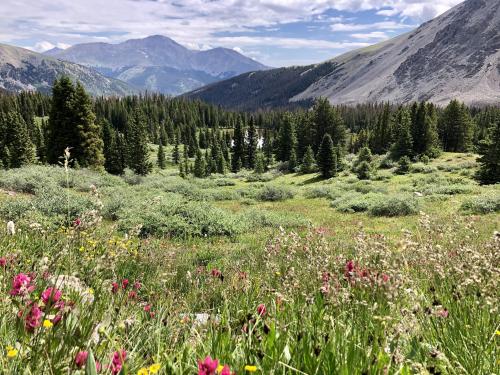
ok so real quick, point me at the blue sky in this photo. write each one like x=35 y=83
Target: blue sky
x=275 y=32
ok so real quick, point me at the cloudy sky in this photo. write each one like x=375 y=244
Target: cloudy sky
x=275 y=32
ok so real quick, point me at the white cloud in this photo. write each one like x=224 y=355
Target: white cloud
x=373 y=35
x=386 y=25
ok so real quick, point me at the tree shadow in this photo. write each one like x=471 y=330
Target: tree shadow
x=312 y=180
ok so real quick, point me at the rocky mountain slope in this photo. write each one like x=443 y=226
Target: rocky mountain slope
x=21 y=69
x=158 y=63
x=456 y=55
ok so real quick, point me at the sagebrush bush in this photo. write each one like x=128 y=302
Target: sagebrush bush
x=399 y=205
x=483 y=204
x=273 y=193
x=354 y=201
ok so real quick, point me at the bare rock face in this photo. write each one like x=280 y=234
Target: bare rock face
x=455 y=56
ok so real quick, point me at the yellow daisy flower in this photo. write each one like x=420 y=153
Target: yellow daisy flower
x=11 y=352
x=47 y=324
x=154 y=368
x=142 y=371
x=250 y=368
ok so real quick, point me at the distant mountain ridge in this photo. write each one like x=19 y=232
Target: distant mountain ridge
x=158 y=63
x=25 y=70
x=455 y=56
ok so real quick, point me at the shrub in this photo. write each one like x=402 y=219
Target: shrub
x=274 y=193
x=324 y=191
x=404 y=165
x=356 y=202
x=255 y=218
x=402 y=205
x=483 y=204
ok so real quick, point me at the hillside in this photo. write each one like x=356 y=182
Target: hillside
x=453 y=56
x=158 y=63
x=21 y=69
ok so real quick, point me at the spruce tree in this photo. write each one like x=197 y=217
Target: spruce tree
x=363 y=164
x=251 y=144
x=21 y=150
x=238 y=147
x=61 y=130
x=161 y=157
x=327 y=157
x=403 y=145
x=308 y=161
x=199 y=165
x=287 y=139
x=489 y=149
x=259 y=163
x=326 y=120
x=176 y=156
x=457 y=128
x=137 y=141
x=89 y=149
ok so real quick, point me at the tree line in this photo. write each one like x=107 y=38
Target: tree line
x=113 y=134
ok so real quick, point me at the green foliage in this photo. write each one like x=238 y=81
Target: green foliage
x=160 y=158
x=457 y=128
x=489 y=149
x=260 y=163
x=308 y=161
x=482 y=204
x=137 y=141
x=391 y=206
x=274 y=193
x=363 y=164
x=404 y=165
x=327 y=158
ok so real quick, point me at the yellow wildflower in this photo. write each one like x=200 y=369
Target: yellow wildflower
x=497 y=333
x=11 y=352
x=47 y=324
x=250 y=368
x=142 y=371
x=154 y=368
x=220 y=368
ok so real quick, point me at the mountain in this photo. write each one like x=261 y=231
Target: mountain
x=21 y=69
x=158 y=63
x=456 y=55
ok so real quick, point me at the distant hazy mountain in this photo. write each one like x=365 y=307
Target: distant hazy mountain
x=158 y=63
x=456 y=55
x=21 y=69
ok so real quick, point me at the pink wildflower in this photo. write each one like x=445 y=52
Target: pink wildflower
x=51 y=295
x=81 y=358
x=261 y=309
x=114 y=287
x=21 y=285
x=3 y=262
x=117 y=361
x=77 y=222
x=208 y=366
x=34 y=318
x=137 y=285
x=124 y=283
x=226 y=370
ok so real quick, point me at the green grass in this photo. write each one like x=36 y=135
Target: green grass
x=345 y=292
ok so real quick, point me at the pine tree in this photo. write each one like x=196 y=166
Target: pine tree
x=199 y=165
x=326 y=120
x=308 y=161
x=287 y=139
x=457 y=128
x=176 y=156
x=238 y=147
x=489 y=149
x=431 y=147
x=251 y=148
x=137 y=141
x=89 y=149
x=404 y=165
x=363 y=164
x=259 y=163
x=20 y=148
x=221 y=164
x=327 y=157
x=161 y=157
x=403 y=145
x=61 y=130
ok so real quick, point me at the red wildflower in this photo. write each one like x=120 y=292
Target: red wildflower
x=21 y=285
x=3 y=262
x=117 y=361
x=217 y=274
x=77 y=222
x=137 y=285
x=208 y=366
x=81 y=358
x=114 y=287
x=132 y=294
x=261 y=309
x=34 y=318
x=226 y=370
x=51 y=295
x=124 y=283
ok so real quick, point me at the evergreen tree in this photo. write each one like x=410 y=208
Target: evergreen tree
x=137 y=141
x=489 y=149
x=431 y=147
x=403 y=145
x=457 y=128
x=176 y=156
x=404 y=165
x=363 y=164
x=259 y=163
x=251 y=148
x=199 y=165
x=221 y=164
x=89 y=149
x=21 y=150
x=326 y=120
x=381 y=137
x=161 y=157
x=308 y=161
x=287 y=139
x=238 y=147
x=327 y=157
x=61 y=130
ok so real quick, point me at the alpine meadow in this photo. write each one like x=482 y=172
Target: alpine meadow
x=178 y=207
